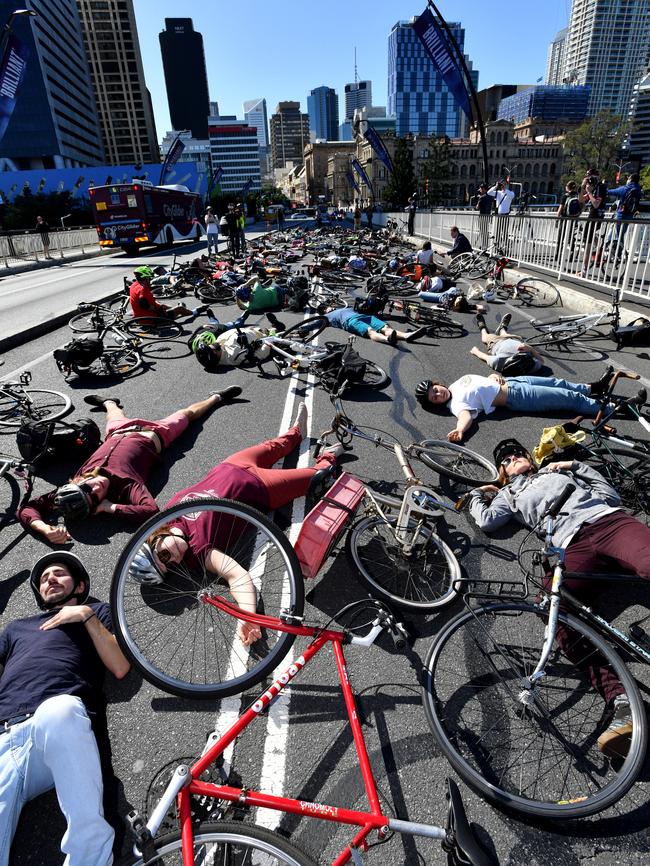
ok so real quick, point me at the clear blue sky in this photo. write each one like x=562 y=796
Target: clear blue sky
x=283 y=49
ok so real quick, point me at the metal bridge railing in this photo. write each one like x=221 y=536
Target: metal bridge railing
x=28 y=247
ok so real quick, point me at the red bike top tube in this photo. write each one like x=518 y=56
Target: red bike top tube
x=272 y=622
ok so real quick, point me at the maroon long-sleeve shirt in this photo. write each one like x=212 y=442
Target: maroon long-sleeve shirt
x=127 y=462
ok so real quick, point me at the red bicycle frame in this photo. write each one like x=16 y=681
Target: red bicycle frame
x=185 y=781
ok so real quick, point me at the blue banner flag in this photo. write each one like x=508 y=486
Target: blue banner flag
x=246 y=187
x=214 y=179
x=350 y=179
x=173 y=155
x=374 y=140
x=12 y=73
x=356 y=165
x=436 y=44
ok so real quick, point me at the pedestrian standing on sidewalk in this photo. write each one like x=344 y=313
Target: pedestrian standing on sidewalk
x=233 y=230
x=411 y=209
x=357 y=216
x=212 y=230
x=567 y=213
x=484 y=208
x=504 y=197
x=241 y=227
x=43 y=229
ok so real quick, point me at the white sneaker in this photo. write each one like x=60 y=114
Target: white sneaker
x=301 y=419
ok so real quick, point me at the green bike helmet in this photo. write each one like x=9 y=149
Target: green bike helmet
x=144 y=273
x=204 y=338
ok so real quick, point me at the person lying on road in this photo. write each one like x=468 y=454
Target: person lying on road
x=248 y=477
x=470 y=395
x=368 y=326
x=113 y=479
x=506 y=353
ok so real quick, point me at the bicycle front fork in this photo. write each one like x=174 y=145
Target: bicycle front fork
x=527 y=692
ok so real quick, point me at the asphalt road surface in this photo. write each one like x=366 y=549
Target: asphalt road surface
x=310 y=754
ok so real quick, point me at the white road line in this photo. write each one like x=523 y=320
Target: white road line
x=28 y=366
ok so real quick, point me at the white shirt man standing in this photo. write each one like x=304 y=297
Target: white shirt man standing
x=504 y=197
x=212 y=229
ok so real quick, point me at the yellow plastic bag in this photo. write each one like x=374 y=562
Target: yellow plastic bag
x=554 y=440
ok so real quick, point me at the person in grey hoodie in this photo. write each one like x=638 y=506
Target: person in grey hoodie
x=596 y=534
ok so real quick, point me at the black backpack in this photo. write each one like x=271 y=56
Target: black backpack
x=572 y=206
x=342 y=366
x=630 y=203
x=521 y=364
x=38 y=440
x=371 y=304
x=635 y=334
x=297 y=294
x=80 y=352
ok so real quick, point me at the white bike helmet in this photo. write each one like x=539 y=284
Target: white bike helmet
x=143 y=568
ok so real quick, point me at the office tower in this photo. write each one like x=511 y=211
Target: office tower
x=555 y=59
x=639 y=141
x=608 y=47
x=565 y=102
x=417 y=94
x=234 y=148
x=255 y=115
x=185 y=77
x=323 y=111
x=123 y=101
x=357 y=95
x=54 y=123
x=214 y=109
x=289 y=134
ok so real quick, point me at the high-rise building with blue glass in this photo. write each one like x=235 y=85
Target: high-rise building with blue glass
x=417 y=95
x=323 y=111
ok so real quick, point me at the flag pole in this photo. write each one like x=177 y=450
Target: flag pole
x=460 y=61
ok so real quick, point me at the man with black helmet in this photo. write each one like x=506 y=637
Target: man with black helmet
x=113 y=480
x=50 y=693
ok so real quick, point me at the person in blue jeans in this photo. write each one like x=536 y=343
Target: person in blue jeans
x=50 y=694
x=472 y=395
x=364 y=325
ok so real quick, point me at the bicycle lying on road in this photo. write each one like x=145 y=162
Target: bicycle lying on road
x=560 y=333
x=13 y=470
x=510 y=692
x=18 y=403
x=245 y=843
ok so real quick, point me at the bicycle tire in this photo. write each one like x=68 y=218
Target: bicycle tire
x=423 y=582
x=43 y=405
x=479 y=268
x=461 y=263
x=299 y=332
x=560 y=336
x=170 y=291
x=628 y=472
x=153 y=328
x=114 y=361
x=165 y=350
x=236 y=842
x=472 y=675
x=157 y=626
x=91 y=322
x=375 y=377
x=456 y=462
x=212 y=293
x=534 y=292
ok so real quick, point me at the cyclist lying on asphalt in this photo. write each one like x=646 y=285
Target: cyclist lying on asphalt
x=367 y=326
x=506 y=353
x=246 y=476
x=113 y=479
x=470 y=395
x=143 y=302
x=596 y=534
x=50 y=690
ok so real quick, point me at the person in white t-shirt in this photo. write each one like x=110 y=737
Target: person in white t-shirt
x=504 y=197
x=425 y=255
x=212 y=230
x=470 y=395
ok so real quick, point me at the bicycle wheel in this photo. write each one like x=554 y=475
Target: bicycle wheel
x=478 y=268
x=559 y=336
x=183 y=644
x=93 y=321
x=420 y=581
x=33 y=404
x=534 y=292
x=165 y=350
x=456 y=461
x=539 y=758
x=174 y=290
x=227 y=844
x=9 y=495
x=213 y=293
x=114 y=361
x=374 y=377
x=461 y=264
x=629 y=474
x=153 y=329
x=306 y=330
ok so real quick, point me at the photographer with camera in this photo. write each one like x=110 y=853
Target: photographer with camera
x=504 y=197
x=593 y=192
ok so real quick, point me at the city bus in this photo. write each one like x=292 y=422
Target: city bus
x=138 y=214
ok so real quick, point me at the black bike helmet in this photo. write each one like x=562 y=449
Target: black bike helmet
x=207 y=357
x=510 y=447
x=422 y=391
x=74 y=566
x=72 y=501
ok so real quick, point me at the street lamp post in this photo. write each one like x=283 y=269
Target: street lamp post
x=620 y=166
x=64 y=218
x=7 y=28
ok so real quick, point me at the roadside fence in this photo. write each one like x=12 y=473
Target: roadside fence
x=21 y=247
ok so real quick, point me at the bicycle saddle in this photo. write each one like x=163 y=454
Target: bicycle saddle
x=462 y=846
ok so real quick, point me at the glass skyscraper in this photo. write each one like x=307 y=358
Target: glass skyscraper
x=323 y=111
x=417 y=94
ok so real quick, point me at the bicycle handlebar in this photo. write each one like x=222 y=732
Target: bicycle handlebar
x=561 y=501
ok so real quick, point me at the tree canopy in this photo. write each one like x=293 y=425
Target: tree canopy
x=595 y=143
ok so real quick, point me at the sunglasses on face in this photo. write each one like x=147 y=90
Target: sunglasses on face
x=508 y=460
